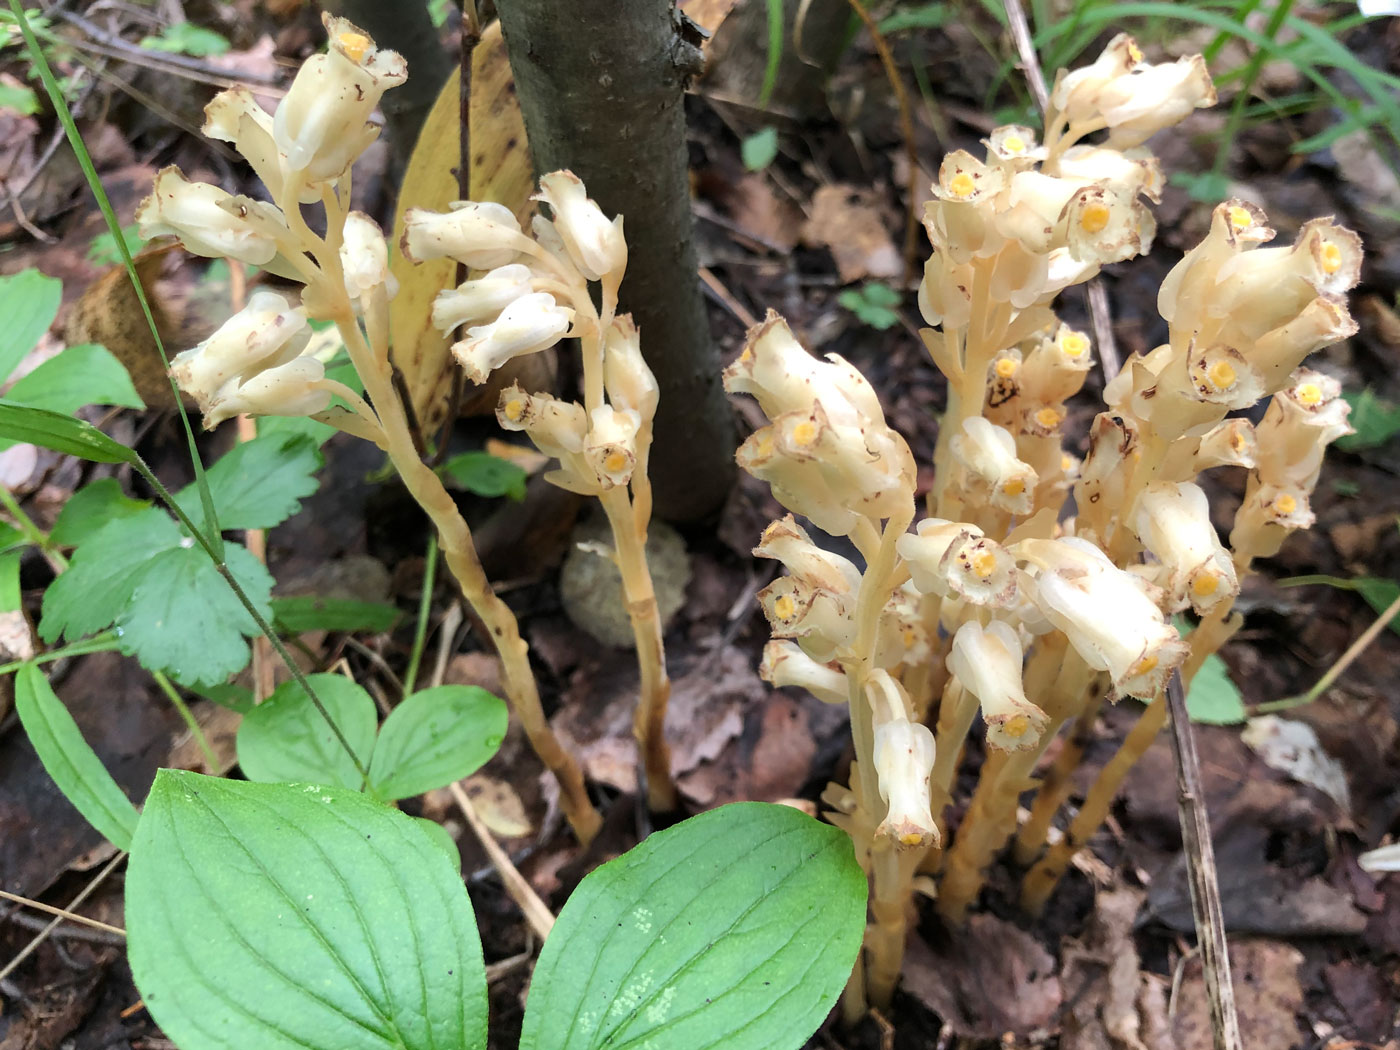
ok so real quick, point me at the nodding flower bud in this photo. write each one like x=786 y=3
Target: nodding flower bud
x=595 y=244
x=1322 y=322
x=1141 y=103
x=627 y=378
x=323 y=123
x=611 y=445
x=557 y=428
x=531 y=323
x=988 y=454
x=1055 y=369
x=787 y=542
x=800 y=485
x=952 y=558
x=945 y=296
x=265 y=333
x=1172 y=519
x=364 y=256
x=1131 y=172
x=776 y=370
x=818 y=618
x=903 y=754
x=1301 y=421
x=291 y=389
x=785 y=664
x=1230 y=443
x=1076 y=92
x=479 y=234
x=210 y=222
x=1267 y=515
x=481 y=299
x=987 y=660
x=1106 y=613
x=234 y=116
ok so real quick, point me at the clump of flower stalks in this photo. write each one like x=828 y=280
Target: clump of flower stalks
x=1035 y=586
x=527 y=292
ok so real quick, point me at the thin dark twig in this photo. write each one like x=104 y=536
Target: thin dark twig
x=1025 y=50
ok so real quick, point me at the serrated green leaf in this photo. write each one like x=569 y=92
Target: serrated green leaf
x=173 y=610
x=486 y=475
x=62 y=433
x=435 y=737
x=28 y=302
x=760 y=149
x=258 y=484
x=1375 y=421
x=285 y=739
x=92 y=507
x=86 y=374
x=297 y=615
x=68 y=759
x=736 y=929
x=298 y=918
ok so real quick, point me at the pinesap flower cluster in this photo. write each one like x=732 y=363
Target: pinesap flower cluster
x=1007 y=599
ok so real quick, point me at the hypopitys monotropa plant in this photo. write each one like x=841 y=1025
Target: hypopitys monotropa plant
x=535 y=293
x=999 y=602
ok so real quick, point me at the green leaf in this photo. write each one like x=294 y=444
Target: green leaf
x=86 y=374
x=1206 y=186
x=486 y=475
x=759 y=149
x=10 y=598
x=1214 y=699
x=285 y=739
x=237 y=698
x=28 y=302
x=186 y=38
x=1378 y=592
x=435 y=737
x=298 y=615
x=104 y=250
x=276 y=917
x=11 y=538
x=60 y=432
x=736 y=929
x=919 y=16
x=873 y=303
x=19 y=98
x=172 y=608
x=92 y=507
x=1375 y=421
x=441 y=838
x=258 y=484
x=75 y=768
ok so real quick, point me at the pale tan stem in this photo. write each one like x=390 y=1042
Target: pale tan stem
x=649 y=719
x=890 y=906
x=962 y=879
x=1058 y=781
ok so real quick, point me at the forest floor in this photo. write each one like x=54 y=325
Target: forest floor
x=1315 y=940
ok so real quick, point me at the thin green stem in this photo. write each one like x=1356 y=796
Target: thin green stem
x=168 y=688
x=106 y=642
x=425 y=608
x=32 y=532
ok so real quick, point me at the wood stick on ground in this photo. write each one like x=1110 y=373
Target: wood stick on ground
x=1195 y=823
x=43 y=935
x=536 y=912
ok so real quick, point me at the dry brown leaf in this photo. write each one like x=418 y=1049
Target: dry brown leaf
x=500 y=171
x=1267 y=996
x=846 y=221
x=708 y=14
x=1104 y=987
x=498 y=806
x=761 y=213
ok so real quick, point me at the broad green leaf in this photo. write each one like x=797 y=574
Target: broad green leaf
x=1375 y=421
x=734 y=930
x=258 y=484
x=19 y=98
x=441 y=838
x=285 y=739
x=172 y=608
x=1213 y=698
x=186 y=38
x=486 y=475
x=86 y=374
x=237 y=698
x=75 y=768
x=28 y=302
x=11 y=538
x=297 y=615
x=435 y=737
x=62 y=433
x=283 y=917
x=92 y=507
x=760 y=149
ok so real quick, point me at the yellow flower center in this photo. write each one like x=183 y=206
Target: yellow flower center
x=1285 y=504
x=1007 y=366
x=1240 y=218
x=1237 y=442
x=961 y=185
x=1014 y=487
x=1074 y=344
x=1205 y=584
x=515 y=408
x=911 y=838
x=1048 y=418
x=1016 y=726
x=615 y=462
x=1221 y=375
x=1066 y=464
x=804 y=433
x=984 y=562
x=1309 y=394
x=354 y=45
x=746 y=356
x=1146 y=665
x=1134 y=52
x=1014 y=144
x=909 y=637
x=1331 y=258
x=784 y=608
x=765 y=444
x=1094 y=218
